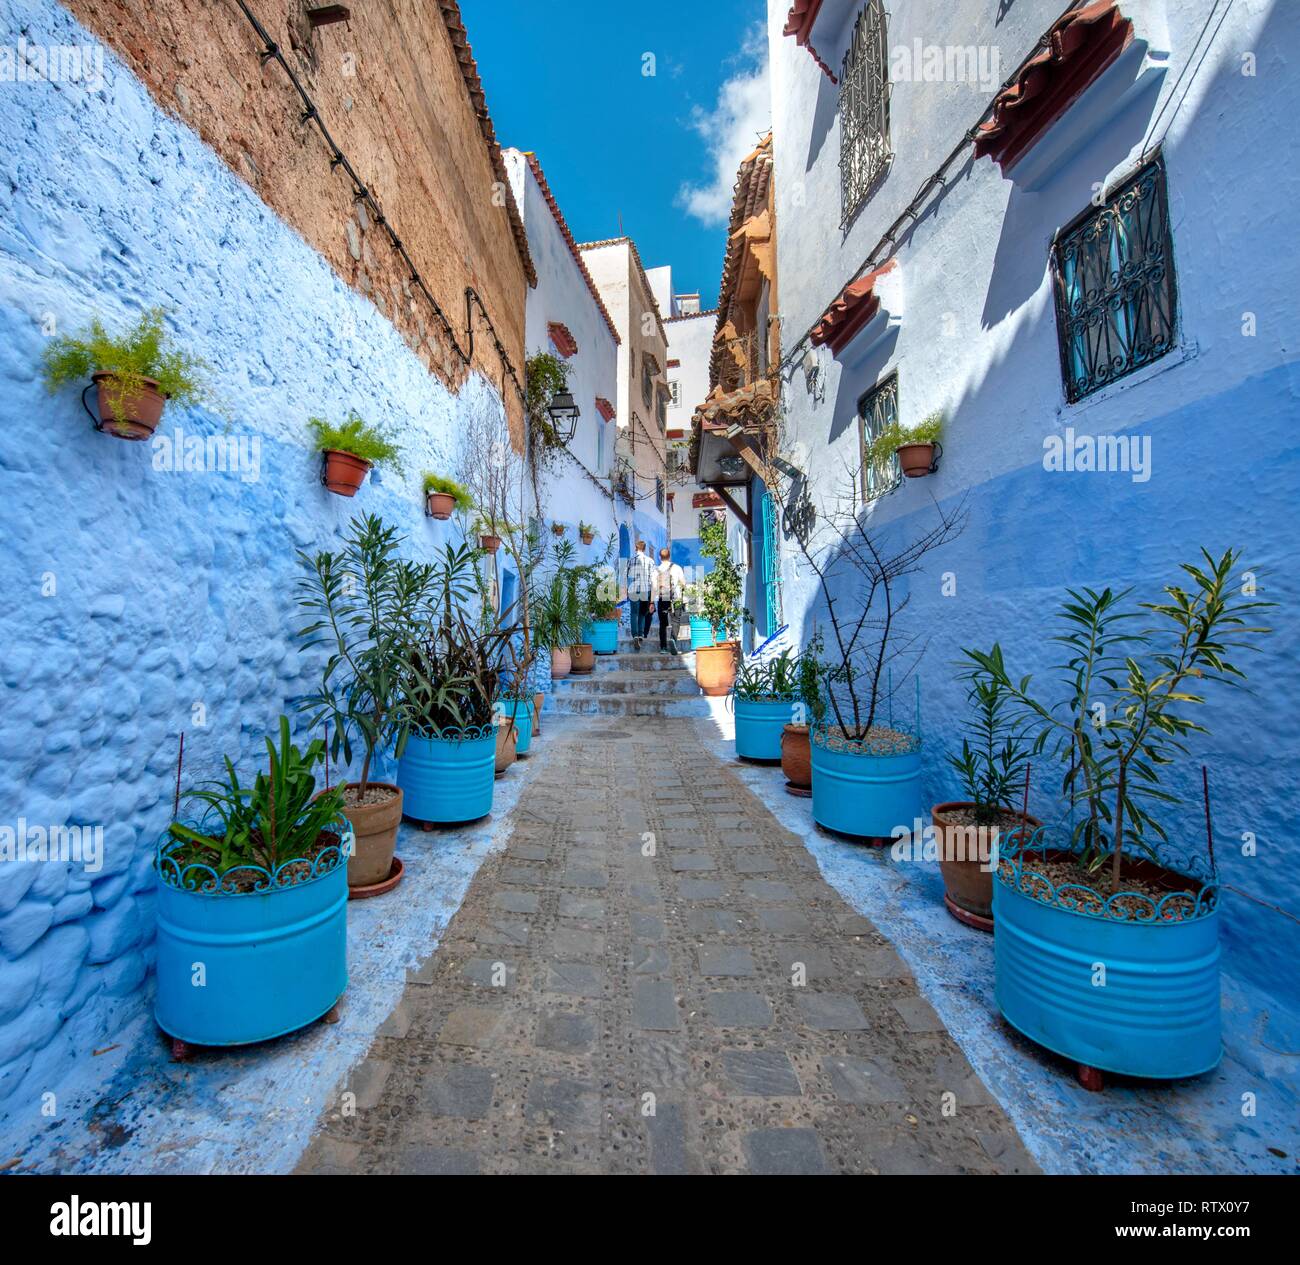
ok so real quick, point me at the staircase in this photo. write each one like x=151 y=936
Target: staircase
x=630 y=684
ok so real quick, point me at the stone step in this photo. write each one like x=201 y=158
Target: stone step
x=646 y=661
x=660 y=682
x=674 y=705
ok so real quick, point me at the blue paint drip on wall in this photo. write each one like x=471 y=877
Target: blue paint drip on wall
x=140 y=603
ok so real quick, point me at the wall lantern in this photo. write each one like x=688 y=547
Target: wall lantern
x=732 y=467
x=564 y=416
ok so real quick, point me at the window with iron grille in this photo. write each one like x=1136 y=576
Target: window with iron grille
x=1116 y=301
x=661 y=410
x=675 y=393
x=648 y=381
x=659 y=493
x=876 y=410
x=864 y=110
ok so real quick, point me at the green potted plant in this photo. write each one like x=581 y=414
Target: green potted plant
x=992 y=765
x=918 y=446
x=350 y=451
x=135 y=373
x=368 y=607
x=1117 y=900
x=443 y=496
x=254 y=888
x=720 y=604
x=586 y=532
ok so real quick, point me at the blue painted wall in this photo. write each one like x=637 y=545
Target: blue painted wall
x=140 y=603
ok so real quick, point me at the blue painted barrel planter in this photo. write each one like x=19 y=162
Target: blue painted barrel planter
x=1157 y=1014
x=602 y=634
x=273 y=959
x=858 y=792
x=759 y=722
x=450 y=777
x=703 y=633
x=522 y=714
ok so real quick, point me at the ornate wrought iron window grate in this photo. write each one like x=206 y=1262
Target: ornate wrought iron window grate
x=864 y=110
x=877 y=410
x=1116 y=300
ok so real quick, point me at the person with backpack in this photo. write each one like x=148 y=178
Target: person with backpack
x=670 y=595
x=640 y=593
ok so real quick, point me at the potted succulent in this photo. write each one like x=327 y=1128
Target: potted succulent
x=796 y=754
x=586 y=532
x=253 y=891
x=720 y=594
x=765 y=701
x=350 y=451
x=992 y=765
x=918 y=447
x=456 y=664
x=367 y=607
x=1115 y=902
x=443 y=496
x=134 y=375
x=557 y=529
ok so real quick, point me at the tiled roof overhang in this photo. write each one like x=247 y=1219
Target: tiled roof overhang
x=707 y=501
x=542 y=183
x=1080 y=45
x=853 y=307
x=799 y=23
x=450 y=11
x=605 y=408
x=564 y=341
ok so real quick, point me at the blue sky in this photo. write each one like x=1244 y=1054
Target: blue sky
x=661 y=150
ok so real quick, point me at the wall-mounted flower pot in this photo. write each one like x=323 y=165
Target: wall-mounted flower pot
x=135 y=415
x=964 y=850
x=375 y=826
x=859 y=792
x=759 y=724
x=917 y=460
x=274 y=959
x=557 y=529
x=587 y=537
x=449 y=778
x=489 y=544
x=715 y=667
x=1157 y=1015
x=440 y=505
x=507 y=736
x=561 y=663
x=344 y=473
x=538 y=700
x=796 y=760
x=521 y=713
x=703 y=633
x=584 y=658
x=603 y=634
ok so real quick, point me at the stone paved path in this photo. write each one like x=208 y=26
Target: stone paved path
x=714 y=1007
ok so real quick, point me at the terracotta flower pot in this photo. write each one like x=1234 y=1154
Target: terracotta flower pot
x=441 y=505
x=561 y=663
x=583 y=657
x=344 y=473
x=796 y=760
x=538 y=700
x=136 y=415
x=715 y=667
x=557 y=529
x=587 y=537
x=375 y=826
x=915 y=459
x=963 y=850
x=507 y=736
x=490 y=544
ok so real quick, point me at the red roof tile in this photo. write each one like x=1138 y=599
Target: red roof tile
x=545 y=187
x=1080 y=45
x=605 y=408
x=852 y=308
x=707 y=501
x=799 y=23
x=450 y=11
x=564 y=341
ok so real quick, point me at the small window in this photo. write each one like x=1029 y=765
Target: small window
x=648 y=380
x=876 y=410
x=675 y=393
x=864 y=110
x=602 y=459
x=661 y=410
x=659 y=493
x=1113 y=271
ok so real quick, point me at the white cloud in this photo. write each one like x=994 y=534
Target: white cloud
x=731 y=130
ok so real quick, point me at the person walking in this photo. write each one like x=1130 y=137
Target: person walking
x=640 y=593
x=670 y=593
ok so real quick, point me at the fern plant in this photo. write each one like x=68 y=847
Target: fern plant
x=355 y=436
x=141 y=352
x=449 y=487
x=895 y=435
